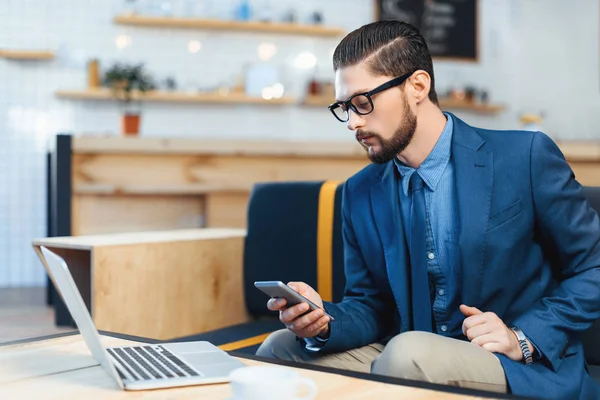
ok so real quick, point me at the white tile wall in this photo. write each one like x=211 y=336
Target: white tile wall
x=535 y=55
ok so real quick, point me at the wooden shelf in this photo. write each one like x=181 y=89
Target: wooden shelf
x=223 y=25
x=174 y=97
x=480 y=108
x=26 y=54
x=318 y=101
x=324 y=101
x=145 y=190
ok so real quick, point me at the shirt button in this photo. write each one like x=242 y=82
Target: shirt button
x=431 y=256
x=444 y=328
x=441 y=292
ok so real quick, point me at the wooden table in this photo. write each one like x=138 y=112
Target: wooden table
x=63 y=368
x=159 y=285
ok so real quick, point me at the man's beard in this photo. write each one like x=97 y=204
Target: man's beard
x=388 y=149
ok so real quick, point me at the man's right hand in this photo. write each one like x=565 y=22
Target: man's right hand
x=304 y=326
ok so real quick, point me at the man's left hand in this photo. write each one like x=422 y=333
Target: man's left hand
x=485 y=329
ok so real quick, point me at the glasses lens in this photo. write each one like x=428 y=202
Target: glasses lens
x=340 y=112
x=362 y=104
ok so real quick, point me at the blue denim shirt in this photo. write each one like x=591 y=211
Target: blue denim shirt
x=443 y=266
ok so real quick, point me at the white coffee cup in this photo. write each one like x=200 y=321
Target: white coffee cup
x=270 y=383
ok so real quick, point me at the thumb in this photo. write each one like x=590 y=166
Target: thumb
x=469 y=311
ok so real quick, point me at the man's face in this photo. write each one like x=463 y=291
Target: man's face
x=389 y=128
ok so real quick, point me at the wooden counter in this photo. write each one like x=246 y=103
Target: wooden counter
x=118 y=184
x=124 y=184
x=134 y=184
x=159 y=285
x=584 y=159
x=63 y=368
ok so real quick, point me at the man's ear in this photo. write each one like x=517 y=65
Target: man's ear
x=420 y=83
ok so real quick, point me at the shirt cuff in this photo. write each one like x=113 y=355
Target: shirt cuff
x=315 y=343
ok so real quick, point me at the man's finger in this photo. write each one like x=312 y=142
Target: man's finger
x=276 y=304
x=475 y=320
x=319 y=324
x=493 y=347
x=313 y=329
x=301 y=323
x=290 y=314
x=478 y=330
x=469 y=311
x=485 y=339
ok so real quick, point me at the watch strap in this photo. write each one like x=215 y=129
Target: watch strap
x=527 y=357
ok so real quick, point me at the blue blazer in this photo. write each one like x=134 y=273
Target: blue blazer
x=529 y=252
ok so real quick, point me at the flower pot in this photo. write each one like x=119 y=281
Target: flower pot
x=130 y=124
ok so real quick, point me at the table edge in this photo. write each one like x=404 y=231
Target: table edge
x=343 y=372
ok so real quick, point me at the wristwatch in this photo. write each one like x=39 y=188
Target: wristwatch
x=523 y=344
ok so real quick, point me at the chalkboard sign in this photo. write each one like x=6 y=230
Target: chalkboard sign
x=448 y=26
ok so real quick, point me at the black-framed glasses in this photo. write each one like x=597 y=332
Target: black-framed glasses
x=362 y=103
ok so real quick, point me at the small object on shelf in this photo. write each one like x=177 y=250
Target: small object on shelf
x=316 y=18
x=130 y=124
x=531 y=122
x=484 y=97
x=314 y=88
x=458 y=94
x=470 y=92
x=170 y=83
x=124 y=81
x=93 y=74
x=243 y=11
x=289 y=16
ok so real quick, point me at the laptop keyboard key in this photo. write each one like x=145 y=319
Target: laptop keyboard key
x=177 y=361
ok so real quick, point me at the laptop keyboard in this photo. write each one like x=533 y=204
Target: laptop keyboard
x=151 y=362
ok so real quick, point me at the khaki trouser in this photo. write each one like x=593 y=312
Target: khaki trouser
x=418 y=356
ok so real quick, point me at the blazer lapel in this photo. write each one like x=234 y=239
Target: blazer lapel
x=388 y=220
x=473 y=180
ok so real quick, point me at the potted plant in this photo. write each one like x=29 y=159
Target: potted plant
x=129 y=83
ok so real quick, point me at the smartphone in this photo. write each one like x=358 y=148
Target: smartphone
x=277 y=289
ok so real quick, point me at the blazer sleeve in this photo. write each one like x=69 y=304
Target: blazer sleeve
x=360 y=317
x=570 y=232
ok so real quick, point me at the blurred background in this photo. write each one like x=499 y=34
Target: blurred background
x=256 y=70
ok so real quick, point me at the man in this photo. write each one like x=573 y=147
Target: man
x=471 y=256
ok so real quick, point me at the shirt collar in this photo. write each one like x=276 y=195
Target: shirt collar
x=432 y=169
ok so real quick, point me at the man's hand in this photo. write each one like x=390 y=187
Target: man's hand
x=488 y=331
x=303 y=326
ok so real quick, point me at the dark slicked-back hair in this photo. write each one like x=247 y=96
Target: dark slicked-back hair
x=390 y=48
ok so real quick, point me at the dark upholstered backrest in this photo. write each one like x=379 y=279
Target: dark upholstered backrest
x=591 y=338
x=281 y=243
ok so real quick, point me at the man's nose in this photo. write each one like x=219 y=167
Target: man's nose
x=355 y=121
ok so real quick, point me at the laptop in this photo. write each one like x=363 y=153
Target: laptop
x=142 y=367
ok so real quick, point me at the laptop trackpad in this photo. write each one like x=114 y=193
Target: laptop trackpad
x=191 y=347
x=214 y=357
